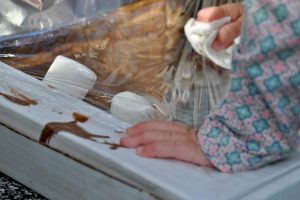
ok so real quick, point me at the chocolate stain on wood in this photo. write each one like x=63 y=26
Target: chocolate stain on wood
x=79 y=117
x=54 y=127
x=112 y=145
x=20 y=99
x=15 y=100
x=72 y=127
x=22 y=96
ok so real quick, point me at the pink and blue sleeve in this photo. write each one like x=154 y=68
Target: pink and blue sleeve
x=258 y=121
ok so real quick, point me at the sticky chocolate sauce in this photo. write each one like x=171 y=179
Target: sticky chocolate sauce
x=79 y=117
x=21 y=100
x=22 y=96
x=54 y=127
x=113 y=146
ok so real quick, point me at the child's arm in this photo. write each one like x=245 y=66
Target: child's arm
x=257 y=123
x=259 y=119
x=164 y=139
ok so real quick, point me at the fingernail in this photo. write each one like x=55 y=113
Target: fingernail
x=217 y=46
x=124 y=140
x=126 y=143
x=124 y=137
x=128 y=131
x=139 y=150
x=131 y=131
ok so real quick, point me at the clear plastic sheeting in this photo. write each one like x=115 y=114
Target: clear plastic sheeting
x=131 y=45
x=19 y=16
x=39 y=4
x=197 y=86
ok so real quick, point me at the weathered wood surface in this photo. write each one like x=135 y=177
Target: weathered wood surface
x=55 y=175
x=164 y=179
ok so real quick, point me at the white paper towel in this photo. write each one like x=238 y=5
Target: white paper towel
x=201 y=35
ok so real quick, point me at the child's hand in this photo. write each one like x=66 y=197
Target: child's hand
x=163 y=139
x=228 y=32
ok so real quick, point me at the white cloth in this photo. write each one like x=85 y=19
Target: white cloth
x=202 y=35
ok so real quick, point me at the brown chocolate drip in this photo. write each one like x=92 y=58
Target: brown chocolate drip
x=22 y=96
x=79 y=117
x=54 y=127
x=113 y=146
x=20 y=101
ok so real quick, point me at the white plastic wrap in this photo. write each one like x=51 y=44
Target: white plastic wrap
x=132 y=45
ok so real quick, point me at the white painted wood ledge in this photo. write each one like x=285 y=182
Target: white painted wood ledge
x=76 y=168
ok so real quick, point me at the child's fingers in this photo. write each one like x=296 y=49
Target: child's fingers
x=156 y=125
x=227 y=34
x=147 y=137
x=234 y=10
x=180 y=150
x=184 y=150
x=210 y=14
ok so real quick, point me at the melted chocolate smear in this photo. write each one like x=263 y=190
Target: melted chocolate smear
x=23 y=97
x=113 y=146
x=54 y=127
x=79 y=117
x=21 y=101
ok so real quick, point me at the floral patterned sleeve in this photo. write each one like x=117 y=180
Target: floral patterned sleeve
x=258 y=121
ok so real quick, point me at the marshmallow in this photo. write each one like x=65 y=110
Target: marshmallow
x=202 y=35
x=133 y=108
x=70 y=77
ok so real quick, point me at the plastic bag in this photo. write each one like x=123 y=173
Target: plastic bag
x=132 y=45
x=24 y=16
x=128 y=48
x=197 y=86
